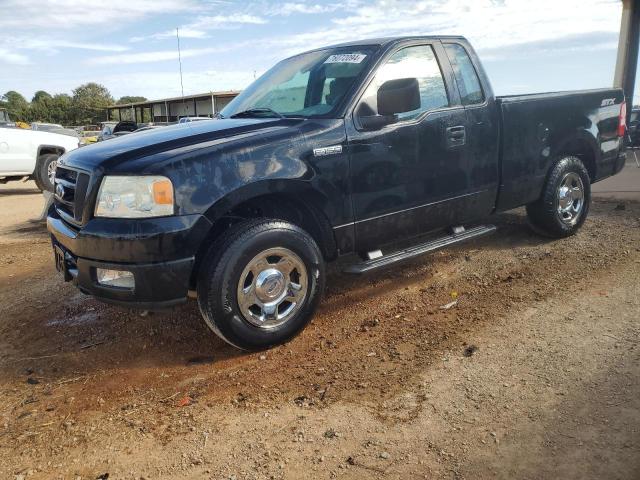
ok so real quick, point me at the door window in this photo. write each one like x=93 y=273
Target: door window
x=412 y=62
x=466 y=76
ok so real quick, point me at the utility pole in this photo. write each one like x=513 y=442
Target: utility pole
x=627 y=59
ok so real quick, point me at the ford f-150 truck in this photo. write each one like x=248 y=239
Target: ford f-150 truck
x=340 y=150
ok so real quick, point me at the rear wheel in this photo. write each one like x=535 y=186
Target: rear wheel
x=46 y=171
x=564 y=204
x=260 y=283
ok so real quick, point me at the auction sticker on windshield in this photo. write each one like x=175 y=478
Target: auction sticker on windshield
x=346 y=58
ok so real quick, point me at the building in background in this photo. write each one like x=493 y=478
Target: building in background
x=172 y=109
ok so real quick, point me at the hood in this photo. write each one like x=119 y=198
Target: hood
x=68 y=142
x=112 y=152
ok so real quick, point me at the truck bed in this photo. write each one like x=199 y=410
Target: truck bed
x=536 y=128
x=501 y=99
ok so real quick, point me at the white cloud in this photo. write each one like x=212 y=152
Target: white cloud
x=214 y=22
x=486 y=23
x=57 y=15
x=161 y=55
x=204 y=24
x=53 y=44
x=500 y=30
x=290 y=8
x=511 y=23
x=184 y=33
x=13 y=58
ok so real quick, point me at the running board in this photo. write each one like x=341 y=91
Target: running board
x=417 y=250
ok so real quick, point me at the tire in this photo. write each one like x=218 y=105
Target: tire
x=564 y=204
x=272 y=259
x=43 y=170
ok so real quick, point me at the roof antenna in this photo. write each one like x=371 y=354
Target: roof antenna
x=180 y=63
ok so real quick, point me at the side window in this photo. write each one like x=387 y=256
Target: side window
x=412 y=62
x=466 y=76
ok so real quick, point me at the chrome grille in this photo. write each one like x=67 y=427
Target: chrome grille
x=70 y=191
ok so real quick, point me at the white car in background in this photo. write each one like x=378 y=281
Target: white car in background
x=32 y=154
x=193 y=119
x=46 y=127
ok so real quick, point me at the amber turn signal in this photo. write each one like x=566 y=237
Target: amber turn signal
x=163 y=192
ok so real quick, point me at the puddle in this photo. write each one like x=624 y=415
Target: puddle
x=84 y=318
x=78 y=298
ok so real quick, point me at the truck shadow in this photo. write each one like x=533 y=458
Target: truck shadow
x=33 y=228
x=513 y=232
x=74 y=333
x=19 y=191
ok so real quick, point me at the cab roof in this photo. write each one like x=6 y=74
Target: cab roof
x=385 y=41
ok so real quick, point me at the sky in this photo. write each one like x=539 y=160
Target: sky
x=130 y=46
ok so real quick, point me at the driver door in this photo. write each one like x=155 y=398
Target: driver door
x=407 y=177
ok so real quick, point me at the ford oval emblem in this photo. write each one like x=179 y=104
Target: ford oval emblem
x=59 y=191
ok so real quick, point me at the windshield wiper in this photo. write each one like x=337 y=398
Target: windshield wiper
x=256 y=111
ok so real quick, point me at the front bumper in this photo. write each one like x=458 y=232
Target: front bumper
x=160 y=253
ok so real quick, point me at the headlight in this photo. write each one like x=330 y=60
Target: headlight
x=135 y=197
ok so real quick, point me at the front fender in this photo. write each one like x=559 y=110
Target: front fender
x=299 y=190
x=206 y=172
x=211 y=180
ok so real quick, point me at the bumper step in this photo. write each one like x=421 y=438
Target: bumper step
x=417 y=250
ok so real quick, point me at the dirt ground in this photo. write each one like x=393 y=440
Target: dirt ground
x=533 y=374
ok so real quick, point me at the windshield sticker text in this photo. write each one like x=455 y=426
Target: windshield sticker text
x=346 y=58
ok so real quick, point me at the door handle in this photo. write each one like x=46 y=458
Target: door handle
x=456 y=132
x=456 y=136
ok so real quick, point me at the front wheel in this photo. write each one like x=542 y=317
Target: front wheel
x=46 y=171
x=260 y=283
x=564 y=204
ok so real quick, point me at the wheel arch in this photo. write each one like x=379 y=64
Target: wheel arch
x=46 y=150
x=290 y=200
x=583 y=146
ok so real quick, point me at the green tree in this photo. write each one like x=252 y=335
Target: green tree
x=130 y=99
x=60 y=109
x=40 y=108
x=89 y=103
x=86 y=106
x=40 y=95
x=16 y=105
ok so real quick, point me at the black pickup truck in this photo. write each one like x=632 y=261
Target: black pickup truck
x=340 y=150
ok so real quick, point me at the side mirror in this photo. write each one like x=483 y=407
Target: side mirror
x=398 y=96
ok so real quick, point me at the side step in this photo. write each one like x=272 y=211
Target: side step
x=459 y=235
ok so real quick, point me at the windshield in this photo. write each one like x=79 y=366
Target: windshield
x=307 y=85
